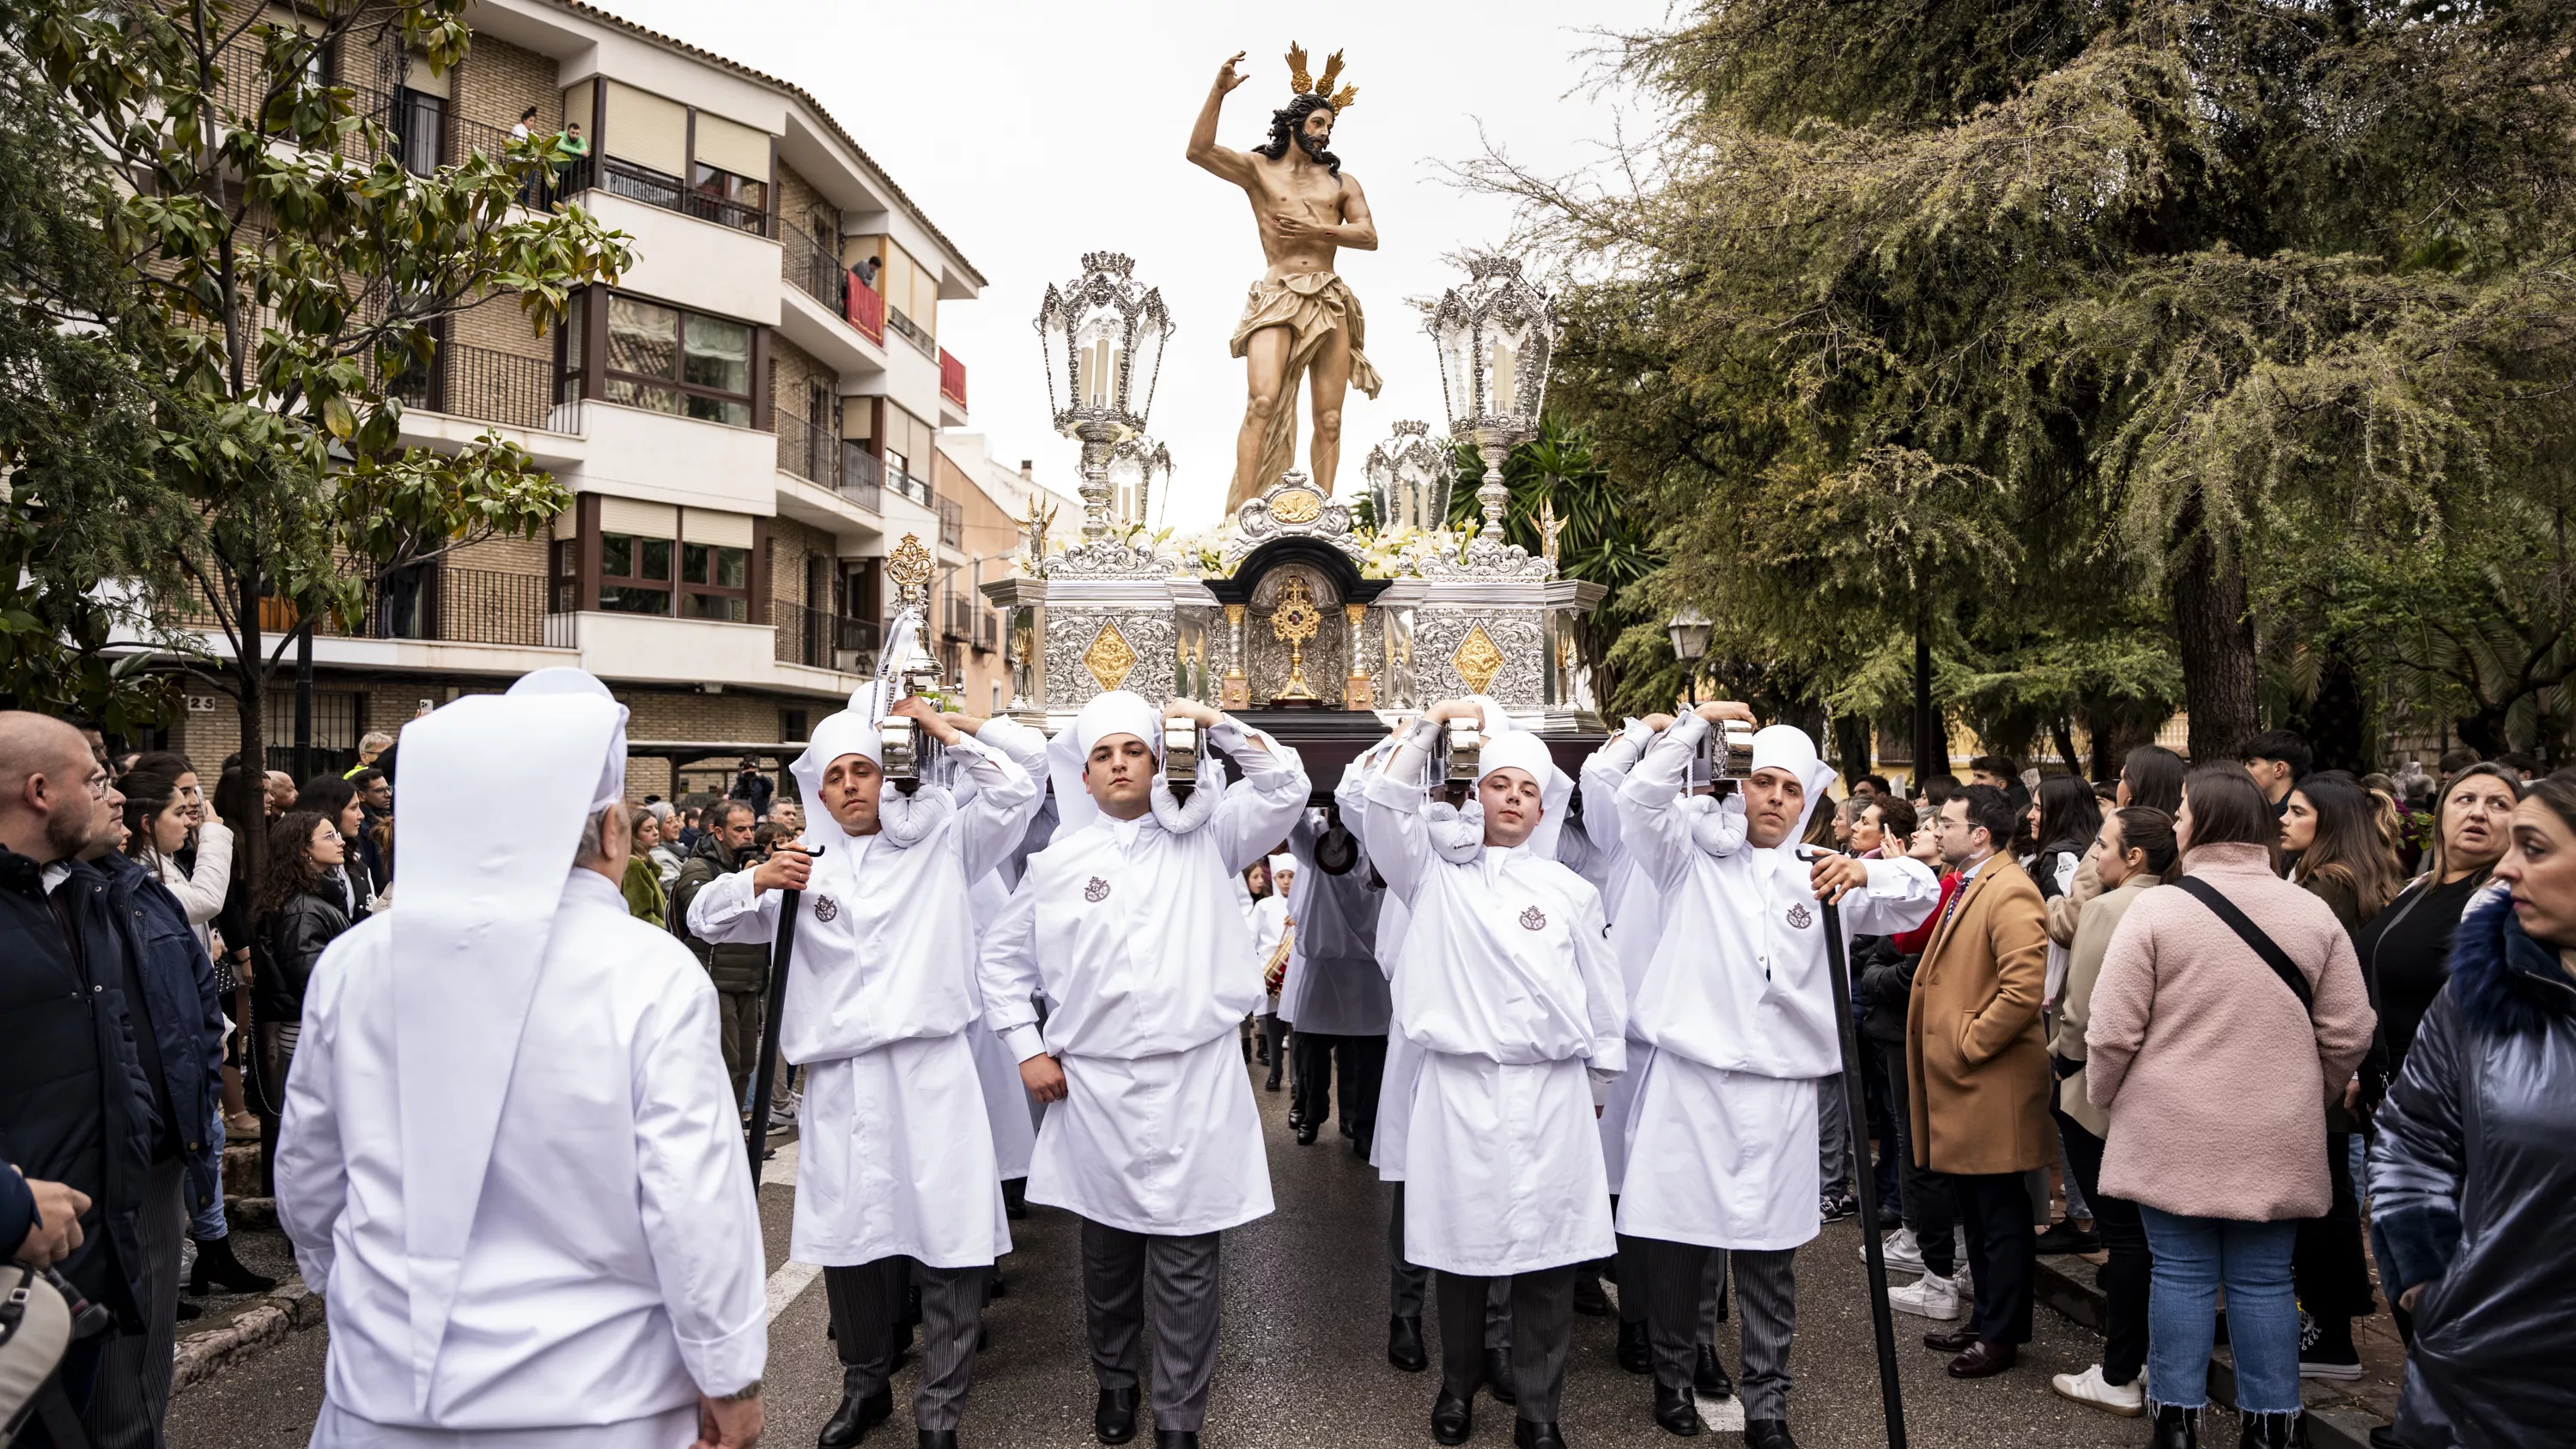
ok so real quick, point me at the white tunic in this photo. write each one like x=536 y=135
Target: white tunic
x=1269 y=924
x=1334 y=985
x=1134 y=935
x=1636 y=922
x=1505 y=990
x=595 y=1328
x=896 y=1140
x=1737 y=1003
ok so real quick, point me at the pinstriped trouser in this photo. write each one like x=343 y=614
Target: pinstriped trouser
x=1766 y=1297
x=133 y=1392
x=1406 y=1284
x=1124 y=1275
x=865 y=1301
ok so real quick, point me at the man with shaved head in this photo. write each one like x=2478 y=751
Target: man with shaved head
x=75 y=1121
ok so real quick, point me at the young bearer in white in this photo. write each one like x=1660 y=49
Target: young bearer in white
x=1505 y=991
x=1128 y=921
x=896 y=1154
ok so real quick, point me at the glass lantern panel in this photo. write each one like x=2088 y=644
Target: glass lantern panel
x=1056 y=347
x=1458 y=371
x=1508 y=348
x=1097 y=344
x=1144 y=359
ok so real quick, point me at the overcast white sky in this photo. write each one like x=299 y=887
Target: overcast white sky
x=1035 y=130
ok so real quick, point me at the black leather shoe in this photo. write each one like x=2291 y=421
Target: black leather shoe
x=1634 y=1356
x=1675 y=1411
x=1768 y=1434
x=2267 y=1431
x=851 y=1422
x=938 y=1439
x=1176 y=1439
x=2177 y=1428
x=1306 y=1135
x=2064 y=1237
x=1271 y=1085
x=1709 y=1377
x=1498 y=1376
x=1950 y=1340
x=1984 y=1360
x=1404 y=1344
x=1114 y=1417
x=1589 y=1300
x=1529 y=1434
x=1452 y=1419
x=2384 y=1436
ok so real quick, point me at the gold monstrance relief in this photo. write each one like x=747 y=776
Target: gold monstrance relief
x=1292 y=623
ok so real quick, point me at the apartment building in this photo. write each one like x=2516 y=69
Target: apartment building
x=748 y=422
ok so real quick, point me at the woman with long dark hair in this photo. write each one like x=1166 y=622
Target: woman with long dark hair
x=2473 y=1178
x=2065 y=817
x=297 y=912
x=185 y=1014
x=2151 y=778
x=2330 y=825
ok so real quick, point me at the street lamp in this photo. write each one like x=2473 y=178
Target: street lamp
x=1409 y=478
x=1103 y=338
x=1496 y=336
x=1690 y=630
x=1136 y=466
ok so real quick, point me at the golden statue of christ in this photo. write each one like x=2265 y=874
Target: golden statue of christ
x=1300 y=320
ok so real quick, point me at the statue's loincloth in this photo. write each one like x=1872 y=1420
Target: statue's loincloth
x=1311 y=305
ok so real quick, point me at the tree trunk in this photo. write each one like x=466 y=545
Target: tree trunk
x=1931 y=747
x=2062 y=735
x=2336 y=724
x=2215 y=639
x=1851 y=746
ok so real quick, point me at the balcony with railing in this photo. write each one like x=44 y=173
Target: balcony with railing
x=809 y=452
x=821 y=639
x=489 y=386
x=906 y=485
x=912 y=332
x=432 y=603
x=864 y=307
x=952 y=522
x=957 y=618
x=620 y=177
x=952 y=379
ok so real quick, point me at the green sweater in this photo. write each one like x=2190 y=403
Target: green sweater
x=644 y=893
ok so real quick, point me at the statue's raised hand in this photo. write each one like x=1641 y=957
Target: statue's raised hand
x=1227 y=77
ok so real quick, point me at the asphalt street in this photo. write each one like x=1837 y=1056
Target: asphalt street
x=1303 y=1357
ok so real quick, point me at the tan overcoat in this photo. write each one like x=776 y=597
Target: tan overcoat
x=1974 y=1050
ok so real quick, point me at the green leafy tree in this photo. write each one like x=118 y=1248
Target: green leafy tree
x=76 y=422
x=280 y=268
x=2156 y=278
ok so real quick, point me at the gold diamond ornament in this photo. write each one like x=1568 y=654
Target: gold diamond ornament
x=1477 y=660
x=1109 y=658
x=1297 y=505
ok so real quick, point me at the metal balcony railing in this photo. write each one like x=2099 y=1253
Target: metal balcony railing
x=988 y=631
x=952 y=379
x=807 y=451
x=900 y=482
x=821 y=639
x=862 y=476
x=810 y=266
x=432 y=602
x=620 y=177
x=952 y=522
x=509 y=388
x=957 y=618
x=913 y=332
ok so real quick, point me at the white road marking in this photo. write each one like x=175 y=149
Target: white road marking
x=792 y=1277
x=1723 y=1416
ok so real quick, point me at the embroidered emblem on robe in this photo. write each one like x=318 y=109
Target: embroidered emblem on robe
x=1097 y=891
x=1800 y=916
x=1533 y=920
x=825 y=908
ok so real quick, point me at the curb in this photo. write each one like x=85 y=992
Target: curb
x=2079 y=1300
x=200 y=1356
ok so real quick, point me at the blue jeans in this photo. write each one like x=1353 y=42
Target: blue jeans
x=2193 y=1256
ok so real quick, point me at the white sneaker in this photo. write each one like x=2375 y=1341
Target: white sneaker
x=2088 y=1388
x=1898 y=1251
x=1927 y=1297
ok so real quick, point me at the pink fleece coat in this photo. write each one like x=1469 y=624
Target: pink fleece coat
x=2216 y=1080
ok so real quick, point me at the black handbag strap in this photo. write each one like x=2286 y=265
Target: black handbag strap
x=2252 y=935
